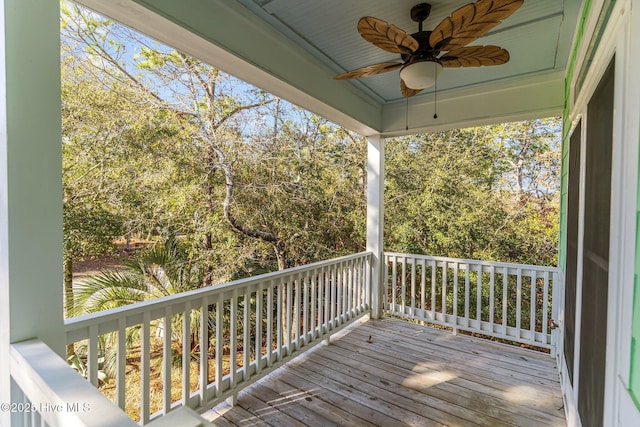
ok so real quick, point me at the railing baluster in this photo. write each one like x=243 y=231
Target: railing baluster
x=368 y=279
x=353 y=272
x=356 y=286
x=443 y=297
x=357 y=274
x=519 y=302
x=479 y=296
x=186 y=353
x=345 y=292
x=279 y=322
x=204 y=350
x=258 y=335
x=315 y=305
x=384 y=298
x=233 y=336
x=413 y=288
x=351 y=289
x=288 y=313
x=121 y=363
x=339 y=291
x=305 y=310
x=327 y=299
x=36 y=418
x=269 y=331
x=545 y=308
x=334 y=296
x=505 y=303
x=219 y=344
x=532 y=306
x=433 y=289
x=246 y=335
x=467 y=292
x=403 y=295
x=455 y=297
x=145 y=367
x=394 y=275
x=296 y=313
x=423 y=287
x=166 y=360
x=492 y=281
x=362 y=293
x=92 y=358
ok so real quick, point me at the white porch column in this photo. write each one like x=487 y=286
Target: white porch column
x=30 y=179
x=375 y=218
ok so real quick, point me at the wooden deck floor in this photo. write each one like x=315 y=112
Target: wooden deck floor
x=408 y=375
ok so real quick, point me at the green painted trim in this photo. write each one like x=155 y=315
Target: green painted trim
x=598 y=32
x=634 y=371
x=566 y=129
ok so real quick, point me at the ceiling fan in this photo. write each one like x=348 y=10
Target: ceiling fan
x=425 y=53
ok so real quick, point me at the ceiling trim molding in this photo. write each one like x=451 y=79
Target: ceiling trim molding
x=492 y=103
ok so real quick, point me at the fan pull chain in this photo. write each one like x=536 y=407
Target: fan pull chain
x=435 y=100
x=406 y=117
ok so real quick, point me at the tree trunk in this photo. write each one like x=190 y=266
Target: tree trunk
x=281 y=256
x=210 y=206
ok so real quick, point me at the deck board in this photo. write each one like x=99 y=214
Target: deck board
x=408 y=374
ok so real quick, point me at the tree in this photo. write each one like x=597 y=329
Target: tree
x=240 y=145
x=104 y=168
x=488 y=192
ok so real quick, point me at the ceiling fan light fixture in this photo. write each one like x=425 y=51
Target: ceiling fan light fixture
x=420 y=75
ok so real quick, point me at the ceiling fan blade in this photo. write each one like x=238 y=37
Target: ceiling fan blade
x=369 y=70
x=474 y=56
x=386 y=36
x=407 y=91
x=470 y=22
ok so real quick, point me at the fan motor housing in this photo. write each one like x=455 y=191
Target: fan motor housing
x=424 y=50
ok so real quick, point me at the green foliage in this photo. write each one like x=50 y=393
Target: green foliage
x=157 y=142
x=161 y=270
x=89 y=229
x=78 y=361
x=485 y=193
x=169 y=144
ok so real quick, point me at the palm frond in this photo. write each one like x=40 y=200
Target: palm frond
x=108 y=289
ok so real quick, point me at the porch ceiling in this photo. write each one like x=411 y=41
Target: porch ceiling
x=294 y=48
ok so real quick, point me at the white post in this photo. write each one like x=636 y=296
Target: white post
x=30 y=179
x=375 y=219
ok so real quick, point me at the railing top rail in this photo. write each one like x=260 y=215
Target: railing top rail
x=474 y=261
x=84 y=321
x=47 y=380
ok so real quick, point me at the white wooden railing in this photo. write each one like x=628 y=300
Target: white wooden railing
x=509 y=301
x=46 y=391
x=227 y=336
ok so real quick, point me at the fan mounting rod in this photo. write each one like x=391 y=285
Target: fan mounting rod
x=420 y=12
